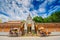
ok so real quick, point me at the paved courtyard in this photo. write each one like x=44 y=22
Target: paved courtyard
x=54 y=36
x=30 y=38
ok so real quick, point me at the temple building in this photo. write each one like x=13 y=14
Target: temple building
x=29 y=26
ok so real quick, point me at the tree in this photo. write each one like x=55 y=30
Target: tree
x=54 y=17
x=38 y=19
x=0 y=21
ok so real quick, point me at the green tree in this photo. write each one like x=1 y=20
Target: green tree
x=0 y=21
x=46 y=20
x=55 y=17
x=38 y=19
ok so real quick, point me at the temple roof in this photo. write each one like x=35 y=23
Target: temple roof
x=29 y=17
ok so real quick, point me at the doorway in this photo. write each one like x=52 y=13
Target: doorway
x=29 y=29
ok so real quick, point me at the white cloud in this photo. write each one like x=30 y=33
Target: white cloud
x=34 y=13
x=4 y=18
x=42 y=7
x=51 y=1
x=42 y=10
x=44 y=15
x=15 y=12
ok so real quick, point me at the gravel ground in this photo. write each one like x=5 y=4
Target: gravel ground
x=56 y=37
x=30 y=38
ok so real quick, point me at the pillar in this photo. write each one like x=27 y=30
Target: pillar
x=25 y=28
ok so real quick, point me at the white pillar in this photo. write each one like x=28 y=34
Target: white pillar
x=25 y=26
x=32 y=26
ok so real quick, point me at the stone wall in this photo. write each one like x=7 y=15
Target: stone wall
x=5 y=27
x=51 y=27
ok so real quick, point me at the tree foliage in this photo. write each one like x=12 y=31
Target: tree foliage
x=38 y=19
x=54 y=17
x=0 y=21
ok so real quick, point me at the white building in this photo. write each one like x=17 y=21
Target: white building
x=29 y=24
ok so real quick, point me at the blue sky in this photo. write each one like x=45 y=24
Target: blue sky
x=20 y=9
